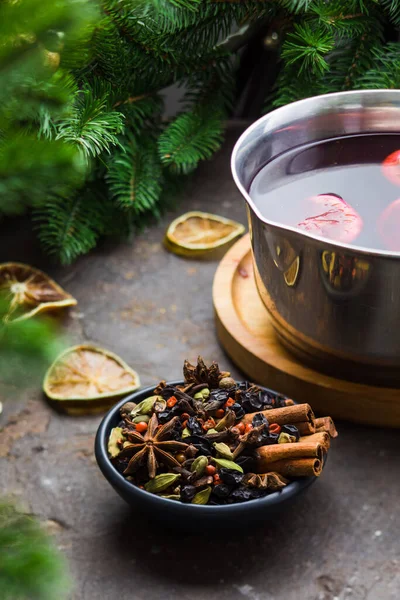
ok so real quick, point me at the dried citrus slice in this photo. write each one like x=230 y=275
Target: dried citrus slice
x=198 y=233
x=27 y=291
x=85 y=377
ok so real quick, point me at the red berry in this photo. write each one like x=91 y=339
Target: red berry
x=184 y=416
x=217 y=479
x=211 y=470
x=242 y=427
x=248 y=427
x=229 y=402
x=389 y=224
x=330 y=216
x=219 y=413
x=275 y=428
x=171 y=402
x=209 y=424
x=141 y=427
x=391 y=167
x=184 y=424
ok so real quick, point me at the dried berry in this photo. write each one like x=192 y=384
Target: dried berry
x=291 y=430
x=230 y=476
x=194 y=426
x=260 y=419
x=188 y=492
x=201 y=443
x=222 y=490
x=238 y=410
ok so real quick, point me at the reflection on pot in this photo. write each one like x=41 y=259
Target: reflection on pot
x=343 y=273
x=292 y=274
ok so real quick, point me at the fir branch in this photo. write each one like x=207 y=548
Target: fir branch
x=307 y=48
x=384 y=71
x=393 y=9
x=134 y=175
x=191 y=137
x=92 y=126
x=70 y=226
x=31 y=567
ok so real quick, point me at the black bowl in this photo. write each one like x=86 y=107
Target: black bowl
x=178 y=514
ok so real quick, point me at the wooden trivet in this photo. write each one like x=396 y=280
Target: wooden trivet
x=247 y=335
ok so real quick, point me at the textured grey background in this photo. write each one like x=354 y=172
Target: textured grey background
x=339 y=542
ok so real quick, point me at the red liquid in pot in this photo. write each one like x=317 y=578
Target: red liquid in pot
x=346 y=189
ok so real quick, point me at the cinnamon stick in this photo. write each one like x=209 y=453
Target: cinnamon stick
x=321 y=437
x=275 y=452
x=305 y=428
x=326 y=424
x=298 y=413
x=297 y=467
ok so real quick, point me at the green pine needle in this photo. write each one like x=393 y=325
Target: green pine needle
x=192 y=137
x=92 y=126
x=307 y=47
x=30 y=567
x=70 y=226
x=134 y=175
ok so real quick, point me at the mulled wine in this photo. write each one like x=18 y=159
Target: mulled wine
x=346 y=189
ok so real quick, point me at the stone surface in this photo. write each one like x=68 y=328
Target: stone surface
x=339 y=542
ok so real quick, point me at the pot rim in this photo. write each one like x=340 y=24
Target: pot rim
x=307 y=102
x=114 y=477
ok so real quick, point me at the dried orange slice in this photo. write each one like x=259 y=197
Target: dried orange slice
x=27 y=291
x=198 y=233
x=85 y=377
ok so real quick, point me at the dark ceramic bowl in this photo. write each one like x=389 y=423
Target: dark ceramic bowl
x=177 y=514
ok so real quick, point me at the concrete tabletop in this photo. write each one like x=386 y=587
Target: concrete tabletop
x=340 y=541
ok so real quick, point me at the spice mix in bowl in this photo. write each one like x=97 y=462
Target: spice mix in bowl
x=211 y=441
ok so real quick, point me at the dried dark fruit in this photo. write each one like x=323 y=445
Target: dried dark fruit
x=260 y=419
x=247 y=463
x=291 y=430
x=164 y=416
x=220 y=395
x=271 y=438
x=201 y=443
x=230 y=476
x=194 y=426
x=188 y=492
x=238 y=410
x=222 y=490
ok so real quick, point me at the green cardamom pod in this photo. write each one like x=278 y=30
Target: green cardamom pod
x=227 y=421
x=199 y=465
x=202 y=497
x=285 y=438
x=160 y=405
x=115 y=442
x=211 y=431
x=145 y=406
x=141 y=419
x=227 y=464
x=202 y=394
x=171 y=496
x=223 y=450
x=161 y=482
x=186 y=433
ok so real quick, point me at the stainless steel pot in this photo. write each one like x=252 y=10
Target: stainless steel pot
x=336 y=306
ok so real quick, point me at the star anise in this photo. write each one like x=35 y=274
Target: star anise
x=203 y=374
x=154 y=446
